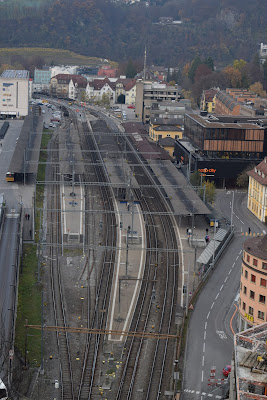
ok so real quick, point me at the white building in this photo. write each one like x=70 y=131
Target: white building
x=14 y=93
x=62 y=69
x=263 y=52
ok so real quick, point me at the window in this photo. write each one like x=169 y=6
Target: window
x=252 y=295
x=244 y=306
x=264 y=265
x=263 y=282
x=245 y=290
x=246 y=274
x=248 y=258
x=262 y=299
x=261 y=315
x=250 y=310
x=253 y=278
x=255 y=262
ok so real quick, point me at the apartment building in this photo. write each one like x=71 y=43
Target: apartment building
x=151 y=92
x=257 y=191
x=253 y=283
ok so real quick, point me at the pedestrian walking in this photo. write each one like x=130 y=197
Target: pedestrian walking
x=249 y=230
x=26 y=216
x=30 y=233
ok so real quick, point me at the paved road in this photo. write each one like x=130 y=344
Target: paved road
x=210 y=335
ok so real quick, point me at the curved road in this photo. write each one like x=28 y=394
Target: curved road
x=213 y=321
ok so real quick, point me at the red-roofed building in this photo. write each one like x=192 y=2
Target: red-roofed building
x=207 y=102
x=67 y=85
x=257 y=191
x=107 y=71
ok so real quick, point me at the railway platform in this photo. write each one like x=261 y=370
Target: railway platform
x=72 y=205
x=129 y=268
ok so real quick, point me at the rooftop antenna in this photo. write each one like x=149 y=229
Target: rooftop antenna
x=145 y=65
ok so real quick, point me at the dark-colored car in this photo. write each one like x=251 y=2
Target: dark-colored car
x=227 y=369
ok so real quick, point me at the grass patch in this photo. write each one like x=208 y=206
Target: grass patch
x=41 y=177
x=29 y=307
x=72 y=252
x=57 y=56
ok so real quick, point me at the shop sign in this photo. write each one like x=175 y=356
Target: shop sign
x=207 y=171
x=249 y=317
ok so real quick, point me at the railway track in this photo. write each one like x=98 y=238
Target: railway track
x=160 y=233
x=56 y=283
x=104 y=275
x=159 y=280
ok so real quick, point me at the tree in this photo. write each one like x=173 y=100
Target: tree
x=242 y=178
x=131 y=70
x=209 y=192
x=105 y=101
x=257 y=88
x=239 y=64
x=195 y=64
x=210 y=63
x=233 y=75
x=195 y=179
x=202 y=70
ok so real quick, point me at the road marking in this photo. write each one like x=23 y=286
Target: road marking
x=237 y=258
x=232 y=319
x=204 y=346
x=205 y=335
x=208 y=315
x=221 y=287
x=221 y=334
x=226 y=279
x=205 y=325
x=233 y=265
x=202 y=377
x=240 y=251
x=203 y=360
x=212 y=305
x=217 y=296
x=230 y=272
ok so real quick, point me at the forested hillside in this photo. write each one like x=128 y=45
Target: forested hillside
x=223 y=29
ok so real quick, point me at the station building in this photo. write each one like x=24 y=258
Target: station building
x=220 y=147
x=253 y=283
x=14 y=93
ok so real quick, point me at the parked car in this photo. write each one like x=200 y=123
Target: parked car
x=226 y=371
x=131 y=106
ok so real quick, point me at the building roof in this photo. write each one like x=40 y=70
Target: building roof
x=207 y=123
x=166 y=121
x=97 y=84
x=259 y=173
x=250 y=372
x=12 y=73
x=168 y=141
x=79 y=80
x=167 y=128
x=257 y=246
x=209 y=94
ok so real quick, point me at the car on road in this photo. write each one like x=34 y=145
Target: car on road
x=131 y=106
x=226 y=370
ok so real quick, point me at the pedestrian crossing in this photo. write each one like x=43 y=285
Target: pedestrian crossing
x=199 y=393
x=253 y=234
